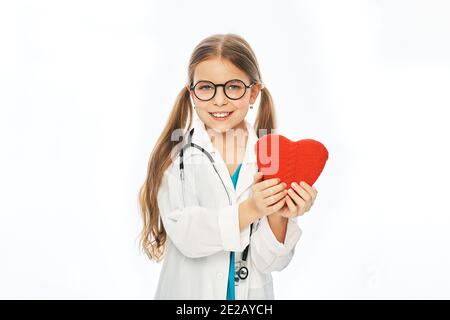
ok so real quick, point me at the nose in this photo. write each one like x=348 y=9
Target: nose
x=220 y=98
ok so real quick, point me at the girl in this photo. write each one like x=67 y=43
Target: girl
x=221 y=229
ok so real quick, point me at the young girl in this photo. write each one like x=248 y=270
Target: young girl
x=221 y=229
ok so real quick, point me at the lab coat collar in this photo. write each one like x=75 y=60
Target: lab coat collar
x=248 y=168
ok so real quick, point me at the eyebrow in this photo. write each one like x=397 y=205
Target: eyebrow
x=224 y=82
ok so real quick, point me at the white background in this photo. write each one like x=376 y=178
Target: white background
x=86 y=88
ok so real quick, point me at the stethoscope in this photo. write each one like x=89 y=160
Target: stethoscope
x=242 y=271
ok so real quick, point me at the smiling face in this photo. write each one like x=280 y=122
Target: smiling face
x=219 y=71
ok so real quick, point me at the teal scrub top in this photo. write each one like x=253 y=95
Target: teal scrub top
x=230 y=288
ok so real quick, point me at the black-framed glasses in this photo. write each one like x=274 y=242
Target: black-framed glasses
x=234 y=89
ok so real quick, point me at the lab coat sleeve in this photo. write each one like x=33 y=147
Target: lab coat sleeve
x=195 y=230
x=268 y=254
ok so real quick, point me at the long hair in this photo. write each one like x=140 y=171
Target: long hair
x=235 y=49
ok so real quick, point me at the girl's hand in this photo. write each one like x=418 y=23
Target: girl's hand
x=268 y=196
x=299 y=199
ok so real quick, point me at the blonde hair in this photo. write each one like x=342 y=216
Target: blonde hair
x=227 y=46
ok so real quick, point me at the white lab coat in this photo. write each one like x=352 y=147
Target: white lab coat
x=201 y=235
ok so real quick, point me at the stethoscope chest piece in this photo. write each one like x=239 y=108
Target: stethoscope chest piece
x=241 y=272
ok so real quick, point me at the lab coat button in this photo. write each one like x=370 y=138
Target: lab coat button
x=220 y=275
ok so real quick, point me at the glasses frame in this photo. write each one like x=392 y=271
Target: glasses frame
x=192 y=88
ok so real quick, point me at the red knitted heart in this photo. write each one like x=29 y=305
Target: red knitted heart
x=291 y=161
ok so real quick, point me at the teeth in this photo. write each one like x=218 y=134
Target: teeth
x=221 y=114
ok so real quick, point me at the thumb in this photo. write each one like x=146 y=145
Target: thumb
x=257 y=177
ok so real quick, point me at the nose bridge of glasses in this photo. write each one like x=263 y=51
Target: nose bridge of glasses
x=223 y=90
x=220 y=93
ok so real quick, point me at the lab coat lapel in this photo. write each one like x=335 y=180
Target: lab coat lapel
x=249 y=168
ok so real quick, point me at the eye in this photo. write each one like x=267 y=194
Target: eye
x=233 y=87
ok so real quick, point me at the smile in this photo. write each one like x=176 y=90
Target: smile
x=221 y=115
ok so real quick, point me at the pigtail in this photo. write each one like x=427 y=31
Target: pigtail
x=265 y=120
x=153 y=234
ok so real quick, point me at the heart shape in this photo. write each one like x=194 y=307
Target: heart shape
x=291 y=161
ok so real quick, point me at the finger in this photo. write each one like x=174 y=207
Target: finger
x=273 y=190
x=284 y=211
x=306 y=194
x=300 y=203
x=298 y=209
x=274 y=198
x=257 y=177
x=315 y=194
x=311 y=190
x=302 y=192
x=277 y=206
x=266 y=184
x=291 y=206
x=313 y=199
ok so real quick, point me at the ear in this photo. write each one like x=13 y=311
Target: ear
x=190 y=92
x=255 y=90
